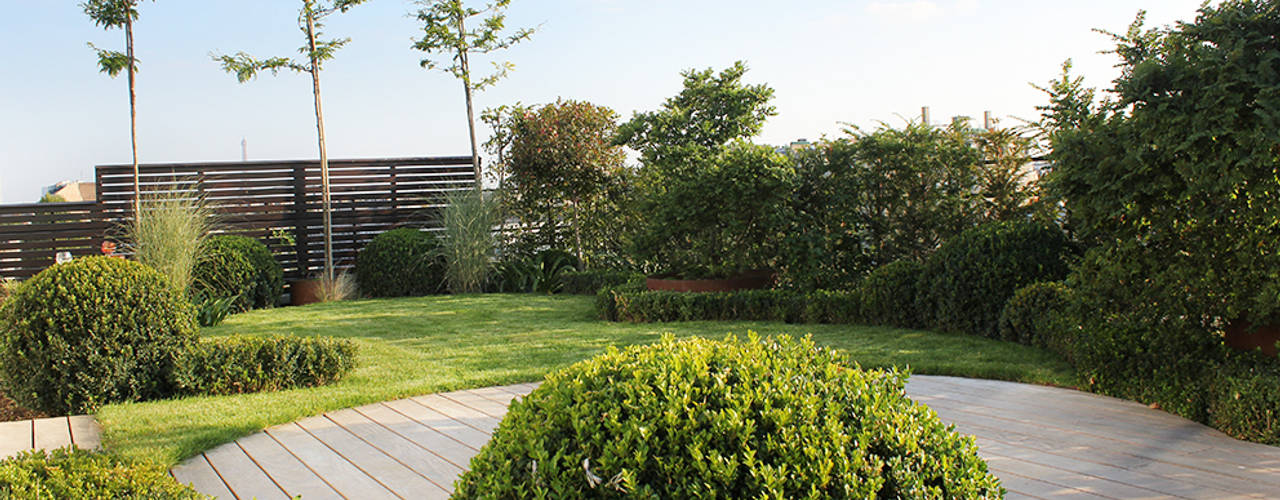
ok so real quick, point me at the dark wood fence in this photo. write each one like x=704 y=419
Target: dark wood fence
x=31 y=235
x=260 y=199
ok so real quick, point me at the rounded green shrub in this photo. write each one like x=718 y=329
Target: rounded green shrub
x=1040 y=315
x=237 y=266
x=889 y=295
x=92 y=331
x=73 y=473
x=965 y=284
x=400 y=262
x=772 y=418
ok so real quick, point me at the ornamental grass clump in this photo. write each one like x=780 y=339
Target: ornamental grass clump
x=762 y=418
x=467 y=242
x=170 y=235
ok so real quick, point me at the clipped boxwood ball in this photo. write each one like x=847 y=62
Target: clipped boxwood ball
x=237 y=266
x=772 y=418
x=92 y=331
x=80 y=474
x=400 y=262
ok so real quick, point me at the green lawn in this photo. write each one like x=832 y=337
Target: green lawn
x=422 y=345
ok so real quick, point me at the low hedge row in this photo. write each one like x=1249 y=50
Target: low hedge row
x=72 y=473
x=240 y=364
x=590 y=282
x=820 y=306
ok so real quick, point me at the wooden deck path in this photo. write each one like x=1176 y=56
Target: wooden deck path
x=1042 y=442
x=49 y=433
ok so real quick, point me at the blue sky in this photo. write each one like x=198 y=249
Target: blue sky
x=829 y=61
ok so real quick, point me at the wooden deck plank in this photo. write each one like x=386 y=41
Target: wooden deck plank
x=496 y=394
x=200 y=475
x=286 y=470
x=456 y=444
x=347 y=479
x=464 y=414
x=403 y=481
x=465 y=434
x=1027 y=487
x=85 y=432
x=51 y=433
x=16 y=437
x=421 y=455
x=241 y=474
x=477 y=402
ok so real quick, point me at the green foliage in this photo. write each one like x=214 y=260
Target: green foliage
x=711 y=111
x=557 y=167
x=51 y=198
x=241 y=267
x=1181 y=169
x=72 y=473
x=445 y=38
x=212 y=310
x=591 y=281
x=704 y=419
x=171 y=235
x=401 y=262
x=92 y=331
x=965 y=284
x=723 y=216
x=539 y=273
x=1040 y=315
x=889 y=295
x=109 y=15
x=467 y=242
x=1244 y=402
x=317 y=50
x=869 y=199
x=242 y=364
x=636 y=305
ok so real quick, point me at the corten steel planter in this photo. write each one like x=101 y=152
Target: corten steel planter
x=1241 y=335
x=752 y=280
x=303 y=292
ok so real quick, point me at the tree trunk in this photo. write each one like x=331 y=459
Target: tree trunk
x=466 y=86
x=577 y=234
x=324 y=157
x=133 y=118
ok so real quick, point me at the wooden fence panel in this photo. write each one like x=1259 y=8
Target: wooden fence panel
x=31 y=235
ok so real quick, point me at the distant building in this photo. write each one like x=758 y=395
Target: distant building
x=73 y=191
x=800 y=144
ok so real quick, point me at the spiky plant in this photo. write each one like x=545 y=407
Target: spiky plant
x=170 y=237
x=468 y=240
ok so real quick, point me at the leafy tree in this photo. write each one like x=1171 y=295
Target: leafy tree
x=557 y=161
x=1006 y=190
x=51 y=198
x=1176 y=180
x=120 y=14
x=316 y=51
x=447 y=39
x=710 y=112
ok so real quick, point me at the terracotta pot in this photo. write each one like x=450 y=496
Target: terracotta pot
x=752 y=280
x=303 y=292
x=1242 y=335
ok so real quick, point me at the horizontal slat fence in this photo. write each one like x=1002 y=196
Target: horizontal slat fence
x=260 y=198
x=31 y=235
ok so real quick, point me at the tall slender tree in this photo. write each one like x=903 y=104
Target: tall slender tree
x=449 y=46
x=120 y=14
x=316 y=51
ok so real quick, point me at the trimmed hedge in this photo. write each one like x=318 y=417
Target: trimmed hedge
x=750 y=305
x=772 y=418
x=73 y=473
x=889 y=295
x=1039 y=315
x=240 y=364
x=402 y=262
x=590 y=282
x=965 y=284
x=1244 y=399
x=92 y=331
x=241 y=267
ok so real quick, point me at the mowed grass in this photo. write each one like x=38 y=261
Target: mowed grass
x=422 y=345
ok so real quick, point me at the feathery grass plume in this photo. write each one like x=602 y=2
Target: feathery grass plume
x=468 y=240
x=170 y=236
x=341 y=287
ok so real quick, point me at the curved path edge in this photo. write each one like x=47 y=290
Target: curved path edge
x=1043 y=442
